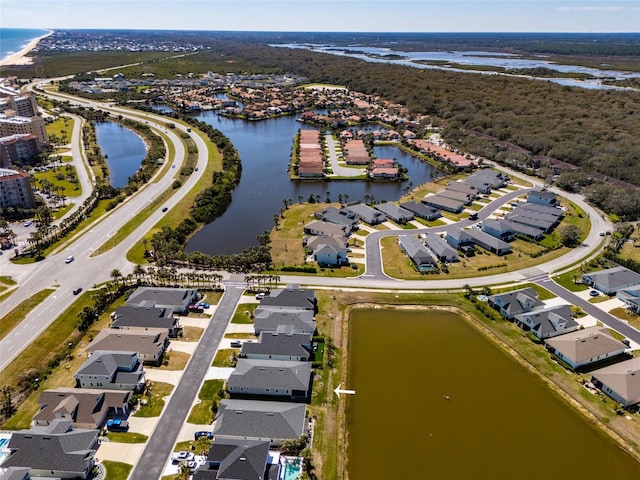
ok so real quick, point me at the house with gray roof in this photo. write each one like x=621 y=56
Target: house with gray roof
x=279 y=346
x=536 y=208
x=320 y=228
x=394 y=212
x=290 y=297
x=542 y=197
x=287 y=380
x=620 y=381
x=443 y=203
x=339 y=217
x=527 y=231
x=238 y=459
x=585 y=347
x=488 y=242
x=85 y=407
x=417 y=253
x=464 y=187
x=548 y=322
x=631 y=297
x=366 y=213
x=149 y=344
x=260 y=420
x=516 y=302
x=462 y=197
x=111 y=371
x=176 y=300
x=53 y=451
x=144 y=318
x=457 y=237
x=421 y=210
x=498 y=228
x=300 y=321
x=611 y=280
x=531 y=219
x=485 y=180
x=440 y=248
x=330 y=254
x=312 y=242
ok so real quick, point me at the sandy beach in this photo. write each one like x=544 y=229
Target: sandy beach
x=20 y=57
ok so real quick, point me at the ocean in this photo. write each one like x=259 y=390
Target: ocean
x=12 y=40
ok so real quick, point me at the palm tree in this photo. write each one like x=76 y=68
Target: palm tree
x=328 y=194
x=300 y=197
x=139 y=272
x=276 y=220
x=116 y=274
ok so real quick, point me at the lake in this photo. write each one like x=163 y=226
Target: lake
x=264 y=149
x=437 y=399
x=123 y=150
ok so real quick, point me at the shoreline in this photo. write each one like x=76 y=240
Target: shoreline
x=20 y=58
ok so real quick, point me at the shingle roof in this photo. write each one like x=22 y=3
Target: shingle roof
x=161 y=296
x=259 y=419
x=54 y=447
x=293 y=296
x=105 y=362
x=586 y=344
x=142 y=317
x=269 y=320
x=115 y=339
x=239 y=459
x=271 y=374
x=623 y=378
x=548 y=321
x=615 y=278
x=271 y=343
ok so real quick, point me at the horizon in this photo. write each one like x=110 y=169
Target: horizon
x=328 y=16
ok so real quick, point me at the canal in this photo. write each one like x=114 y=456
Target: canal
x=436 y=399
x=264 y=149
x=123 y=150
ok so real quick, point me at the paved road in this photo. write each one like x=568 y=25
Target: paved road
x=161 y=443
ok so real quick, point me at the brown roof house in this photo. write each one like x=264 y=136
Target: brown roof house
x=585 y=347
x=620 y=381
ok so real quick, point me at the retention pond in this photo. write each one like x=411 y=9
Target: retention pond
x=435 y=398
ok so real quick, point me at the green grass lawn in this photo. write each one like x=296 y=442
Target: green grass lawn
x=60 y=178
x=155 y=403
x=127 y=437
x=226 y=357
x=117 y=470
x=11 y=319
x=202 y=413
x=241 y=315
x=61 y=128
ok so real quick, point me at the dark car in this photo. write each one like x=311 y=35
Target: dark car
x=201 y=434
x=164 y=209
x=594 y=293
x=117 y=425
x=76 y=291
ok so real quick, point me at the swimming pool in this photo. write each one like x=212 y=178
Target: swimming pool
x=3 y=442
x=292 y=469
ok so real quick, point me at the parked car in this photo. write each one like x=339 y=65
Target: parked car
x=28 y=223
x=117 y=425
x=195 y=308
x=259 y=296
x=203 y=305
x=236 y=344
x=69 y=259
x=76 y=291
x=201 y=434
x=594 y=293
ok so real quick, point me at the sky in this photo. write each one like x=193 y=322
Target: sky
x=594 y=16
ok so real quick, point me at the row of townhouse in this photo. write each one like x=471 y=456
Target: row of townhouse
x=579 y=348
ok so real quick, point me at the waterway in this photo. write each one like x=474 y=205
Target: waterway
x=265 y=149
x=437 y=399
x=123 y=150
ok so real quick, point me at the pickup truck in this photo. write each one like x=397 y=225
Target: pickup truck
x=117 y=425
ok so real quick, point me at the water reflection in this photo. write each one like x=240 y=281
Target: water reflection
x=123 y=150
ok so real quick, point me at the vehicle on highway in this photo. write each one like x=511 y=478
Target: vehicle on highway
x=164 y=209
x=76 y=291
x=594 y=293
x=196 y=169
x=201 y=434
x=117 y=425
x=69 y=259
x=28 y=223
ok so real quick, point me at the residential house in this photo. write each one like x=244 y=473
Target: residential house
x=150 y=344
x=527 y=231
x=329 y=251
x=440 y=248
x=238 y=459
x=111 y=371
x=145 y=318
x=537 y=209
x=176 y=300
x=320 y=228
x=457 y=237
x=530 y=219
x=290 y=298
x=279 y=346
x=611 y=280
x=340 y=217
x=485 y=180
x=443 y=203
x=548 y=322
x=631 y=297
x=287 y=380
x=394 y=212
x=462 y=197
x=585 y=347
x=300 y=321
x=417 y=253
x=620 y=381
x=260 y=420
x=516 y=302
x=488 y=242
x=85 y=407
x=53 y=451
x=542 y=197
x=421 y=210
x=464 y=187
x=366 y=213
x=499 y=229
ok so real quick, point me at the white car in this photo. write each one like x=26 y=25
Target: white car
x=69 y=259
